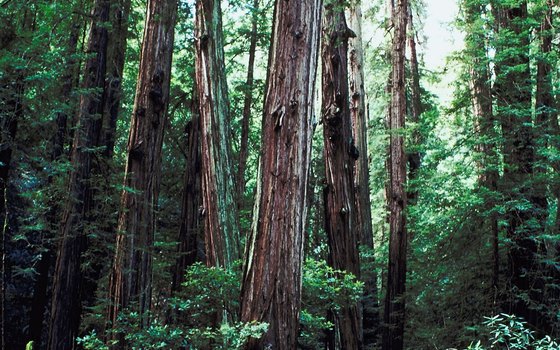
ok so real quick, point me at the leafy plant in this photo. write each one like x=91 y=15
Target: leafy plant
x=511 y=332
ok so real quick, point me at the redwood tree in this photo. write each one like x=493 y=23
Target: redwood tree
x=476 y=49
x=131 y=275
x=358 y=113
x=247 y=103
x=221 y=230
x=339 y=154
x=271 y=290
x=394 y=317
x=513 y=90
x=115 y=65
x=67 y=297
x=191 y=219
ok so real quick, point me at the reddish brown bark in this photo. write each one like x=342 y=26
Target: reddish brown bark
x=414 y=157
x=218 y=195
x=394 y=313
x=67 y=294
x=115 y=65
x=370 y=304
x=131 y=276
x=271 y=290
x=339 y=154
x=190 y=236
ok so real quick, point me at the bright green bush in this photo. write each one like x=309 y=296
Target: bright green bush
x=510 y=332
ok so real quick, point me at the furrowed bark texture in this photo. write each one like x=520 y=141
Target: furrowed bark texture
x=221 y=229
x=115 y=66
x=67 y=290
x=414 y=158
x=191 y=220
x=271 y=289
x=370 y=304
x=484 y=124
x=340 y=155
x=131 y=275
x=394 y=313
x=247 y=103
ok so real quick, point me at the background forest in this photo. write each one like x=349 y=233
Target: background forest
x=261 y=174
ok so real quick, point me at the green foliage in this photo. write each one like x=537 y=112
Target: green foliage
x=510 y=332
x=324 y=289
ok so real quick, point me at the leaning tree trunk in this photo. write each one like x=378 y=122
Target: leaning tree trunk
x=131 y=276
x=67 y=297
x=340 y=154
x=394 y=313
x=221 y=230
x=247 y=104
x=370 y=304
x=271 y=290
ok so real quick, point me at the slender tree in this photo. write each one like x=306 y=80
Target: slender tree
x=115 y=65
x=339 y=154
x=67 y=298
x=394 y=316
x=370 y=304
x=476 y=49
x=271 y=290
x=59 y=142
x=413 y=156
x=131 y=276
x=218 y=195
x=247 y=103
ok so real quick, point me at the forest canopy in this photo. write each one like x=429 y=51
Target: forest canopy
x=279 y=174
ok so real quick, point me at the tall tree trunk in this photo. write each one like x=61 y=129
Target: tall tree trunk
x=271 y=290
x=191 y=219
x=513 y=89
x=218 y=195
x=370 y=304
x=247 y=103
x=484 y=125
x=116 y=59
x=67 y=297
x=41 y=300
x=131 y=276
x=413 y=157
x=394 y=313
x=340 y=154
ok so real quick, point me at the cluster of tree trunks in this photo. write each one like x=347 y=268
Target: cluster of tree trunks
x=209 y=229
